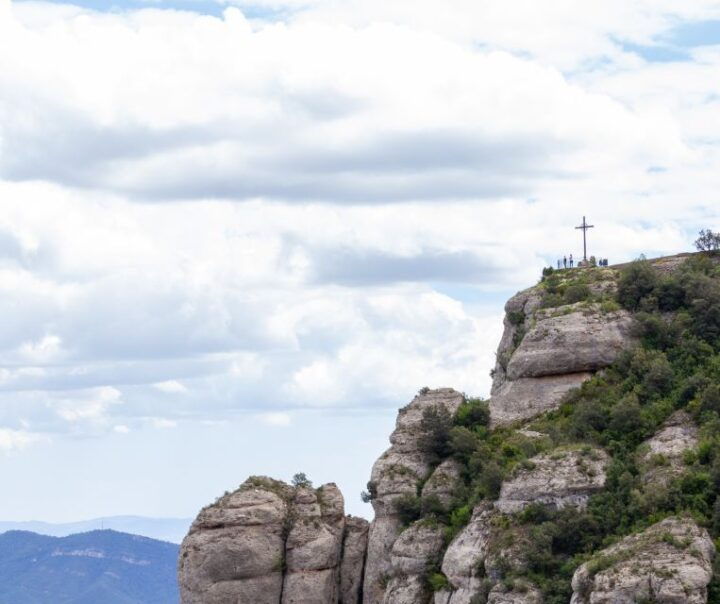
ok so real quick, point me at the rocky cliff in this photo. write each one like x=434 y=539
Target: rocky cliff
x=269 y=542
x=591 y=474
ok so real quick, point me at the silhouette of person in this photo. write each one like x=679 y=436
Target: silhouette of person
x=571 y=261
x=558 y=263
x=565 y=261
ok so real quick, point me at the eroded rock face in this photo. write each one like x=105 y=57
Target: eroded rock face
x=352 y=566
x=269 y=543
x=463 y=562
x=525 y=398
x=235 y=548
x=443 y=481
x=561 y=349
x=662 y=457
x=669 y=563
x=522 y=593
x=416 y=550
x=571 y=339
x=314 y=546
x=560 y=479
x=396 y=473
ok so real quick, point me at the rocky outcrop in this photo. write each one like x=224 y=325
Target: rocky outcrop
x=314 y=546
x=235 y=549
x=662 y=455
x=669 y=563
x=396 y=473
x=414 y=552
x=443 y=482
x=544 y=353
x=464 y=560
x=570 y=339
x=352 y=567
x=521 y=399
x=562 y=478
x=269 y=543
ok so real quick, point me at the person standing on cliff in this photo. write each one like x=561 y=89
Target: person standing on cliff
x=565 y=261
x=571 y=261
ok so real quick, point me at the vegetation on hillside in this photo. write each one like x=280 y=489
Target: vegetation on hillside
x=676 y=365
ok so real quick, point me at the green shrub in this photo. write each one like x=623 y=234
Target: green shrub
x=437 y=582
x=408 y=507
x=637 y=281
x=576 y=293
x=434 y=439
x=473 y=412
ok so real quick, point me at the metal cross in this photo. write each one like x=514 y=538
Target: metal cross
x=585 y=226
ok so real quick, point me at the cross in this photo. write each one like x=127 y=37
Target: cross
x=585 y=226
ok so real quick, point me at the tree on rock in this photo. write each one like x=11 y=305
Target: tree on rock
x=708 y=241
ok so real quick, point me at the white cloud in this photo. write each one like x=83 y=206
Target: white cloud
x=497 y=125
x=91 y=406
x=275 y=419
x=170 y=387
x=393 y=113
x=48 y=348
x=11 y=440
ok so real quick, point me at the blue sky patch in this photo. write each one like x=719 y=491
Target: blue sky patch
x=694 y=34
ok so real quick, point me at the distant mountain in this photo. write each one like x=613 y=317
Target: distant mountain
x=165 y=529
x=99 y=567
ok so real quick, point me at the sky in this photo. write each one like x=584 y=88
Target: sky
x=236 y=237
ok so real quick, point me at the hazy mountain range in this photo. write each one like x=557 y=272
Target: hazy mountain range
x=164 y=529
x=98 y=567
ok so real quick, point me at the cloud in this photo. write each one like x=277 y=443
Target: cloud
x=170 y=387
x=385 y=183
x=275 y=419
x=11 y=440
x=391 y=114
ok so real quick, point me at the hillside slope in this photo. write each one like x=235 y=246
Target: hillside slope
x=99 y=567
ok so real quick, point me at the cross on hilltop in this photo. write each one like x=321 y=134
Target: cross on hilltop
x=585 y=226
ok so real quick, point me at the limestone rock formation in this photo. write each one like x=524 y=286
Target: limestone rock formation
x=463 y=563
x=544 y=353
x=662 y=457
x=314 y=546
x=570 y=339
x=397 y=473
x=522 y=593
x=560 y=479
x=416 y=550
x=235 y=548
x=269 y=543
x=520 y=399
x=443 y=482
x=669 y=563
x=352 y=566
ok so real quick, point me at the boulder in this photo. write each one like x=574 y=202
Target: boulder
x=416 y=550
x=352 y=566
x=661 y=457
x=234 y=550
x=565 y=477
x=314 y=547
x=443 y=482
x=571 y=339
x=464 y=560
x=394 y=474
x=525 y=398
x=668 y=563
x=561 y=348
